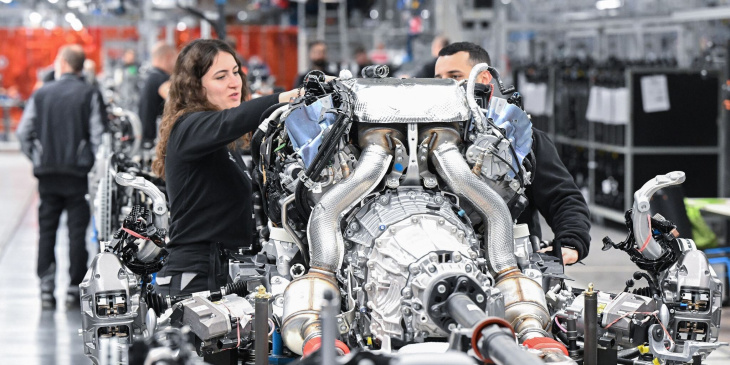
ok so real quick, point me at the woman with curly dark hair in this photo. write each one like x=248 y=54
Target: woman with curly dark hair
x=207 y=183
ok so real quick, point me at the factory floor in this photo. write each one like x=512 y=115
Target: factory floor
x=31 y=336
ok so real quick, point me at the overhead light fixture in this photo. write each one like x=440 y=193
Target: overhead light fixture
x=52 y=1
x=506 y=2
x=608 y=4
x=181 y=26
x=77 y=25
x=425 y=14
x=242 y=15
x=49 y=24
x=74 y=3
x=69 y=17
x=374 y=14
x=35 y=17
x=6 y=1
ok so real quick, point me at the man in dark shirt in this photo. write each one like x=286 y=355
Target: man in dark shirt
x=317 y=52
x=60 y=130
x=154 y=91
x=553 y=192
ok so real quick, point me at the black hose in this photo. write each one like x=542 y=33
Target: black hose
x=258 y=135
x=572 y=337
x=624 y=361
x=323 y=156
x=239 y=288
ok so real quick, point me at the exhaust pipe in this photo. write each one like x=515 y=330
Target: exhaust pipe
x=302 y=303
x=323 y=230
x=452 y=167
x=525 y=304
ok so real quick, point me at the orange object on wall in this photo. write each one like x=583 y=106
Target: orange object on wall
x=275 y=45
x=26 y=51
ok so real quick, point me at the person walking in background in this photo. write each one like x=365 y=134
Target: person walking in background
x=153 y=95
x=59 y=131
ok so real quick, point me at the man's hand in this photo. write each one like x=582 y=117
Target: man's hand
x=570 y=256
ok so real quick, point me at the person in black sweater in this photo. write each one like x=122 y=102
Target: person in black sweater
x=553 y=192
x=207 y=184
x=152 y=100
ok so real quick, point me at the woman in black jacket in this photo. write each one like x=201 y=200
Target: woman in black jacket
x=207 y=183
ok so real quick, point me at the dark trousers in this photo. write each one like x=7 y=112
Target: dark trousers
x=175 y=283
x=59 y=193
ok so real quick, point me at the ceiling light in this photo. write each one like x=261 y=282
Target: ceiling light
x=242 y=15
x=6 y=1
x=374 y=14
x=608 y=4
x=49 y=24
x=69 y=17
x=425 y=14
x=77 y=25
x=35 y=17
x=52 y=1
x=181 y=26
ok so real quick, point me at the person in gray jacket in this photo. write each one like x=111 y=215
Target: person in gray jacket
x=59 y=131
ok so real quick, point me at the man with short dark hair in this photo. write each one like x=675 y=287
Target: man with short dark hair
x=317 y=52
x=153 y=95
x=553 y=192
x=60 y=130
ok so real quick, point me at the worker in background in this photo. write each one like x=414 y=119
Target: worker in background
x=318 y=60
x=155 y=89
x=427 y=71
x=59 y=131
x=553 y=192
x=360 y=60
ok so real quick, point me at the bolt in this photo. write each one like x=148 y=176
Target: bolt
x=472 y=137
x=399 y=158
x=371 y=264
x=407 y=293
x=339 y=320
x=354 y=226
x=275 y=280
x=379 y=243
x=432 y=268
x=423 y=158
x=414 y=269
x=438 y=200
x=417 y=306
x=391 y=230
x=480 y=298
x=441 y=288
x=472 y=254
x=384 y=199
x=406 y=311
x=471 y=154
x=467 y=268
x=452 y=326
x=369 y=286
x=442 y=221
x=457 y=257
x=343 y=328
x=453 y=229
x=382 y=227
x=414 y=219
x=460 y=235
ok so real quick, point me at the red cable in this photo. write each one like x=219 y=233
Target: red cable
x=135 y=234
x=648 y=237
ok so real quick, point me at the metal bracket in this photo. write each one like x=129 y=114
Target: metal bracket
x=690 y=348
x=652 y=249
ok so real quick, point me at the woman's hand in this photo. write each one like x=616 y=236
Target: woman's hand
x=290 y=95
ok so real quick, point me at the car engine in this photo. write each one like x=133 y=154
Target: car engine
x=387 y=224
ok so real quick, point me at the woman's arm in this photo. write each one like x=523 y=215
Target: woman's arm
x=201 y=133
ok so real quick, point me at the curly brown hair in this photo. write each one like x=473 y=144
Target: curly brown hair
x=187 y=94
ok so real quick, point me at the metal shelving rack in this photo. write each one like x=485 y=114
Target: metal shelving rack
x=629 y=150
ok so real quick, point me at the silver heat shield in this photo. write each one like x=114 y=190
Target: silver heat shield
x=452 y=167
x=408 y=100
x=323 y=231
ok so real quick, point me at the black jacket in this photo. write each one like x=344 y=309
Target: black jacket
x=553 y=194
x=151 y=103
x=207 y=185
x=61 y=127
